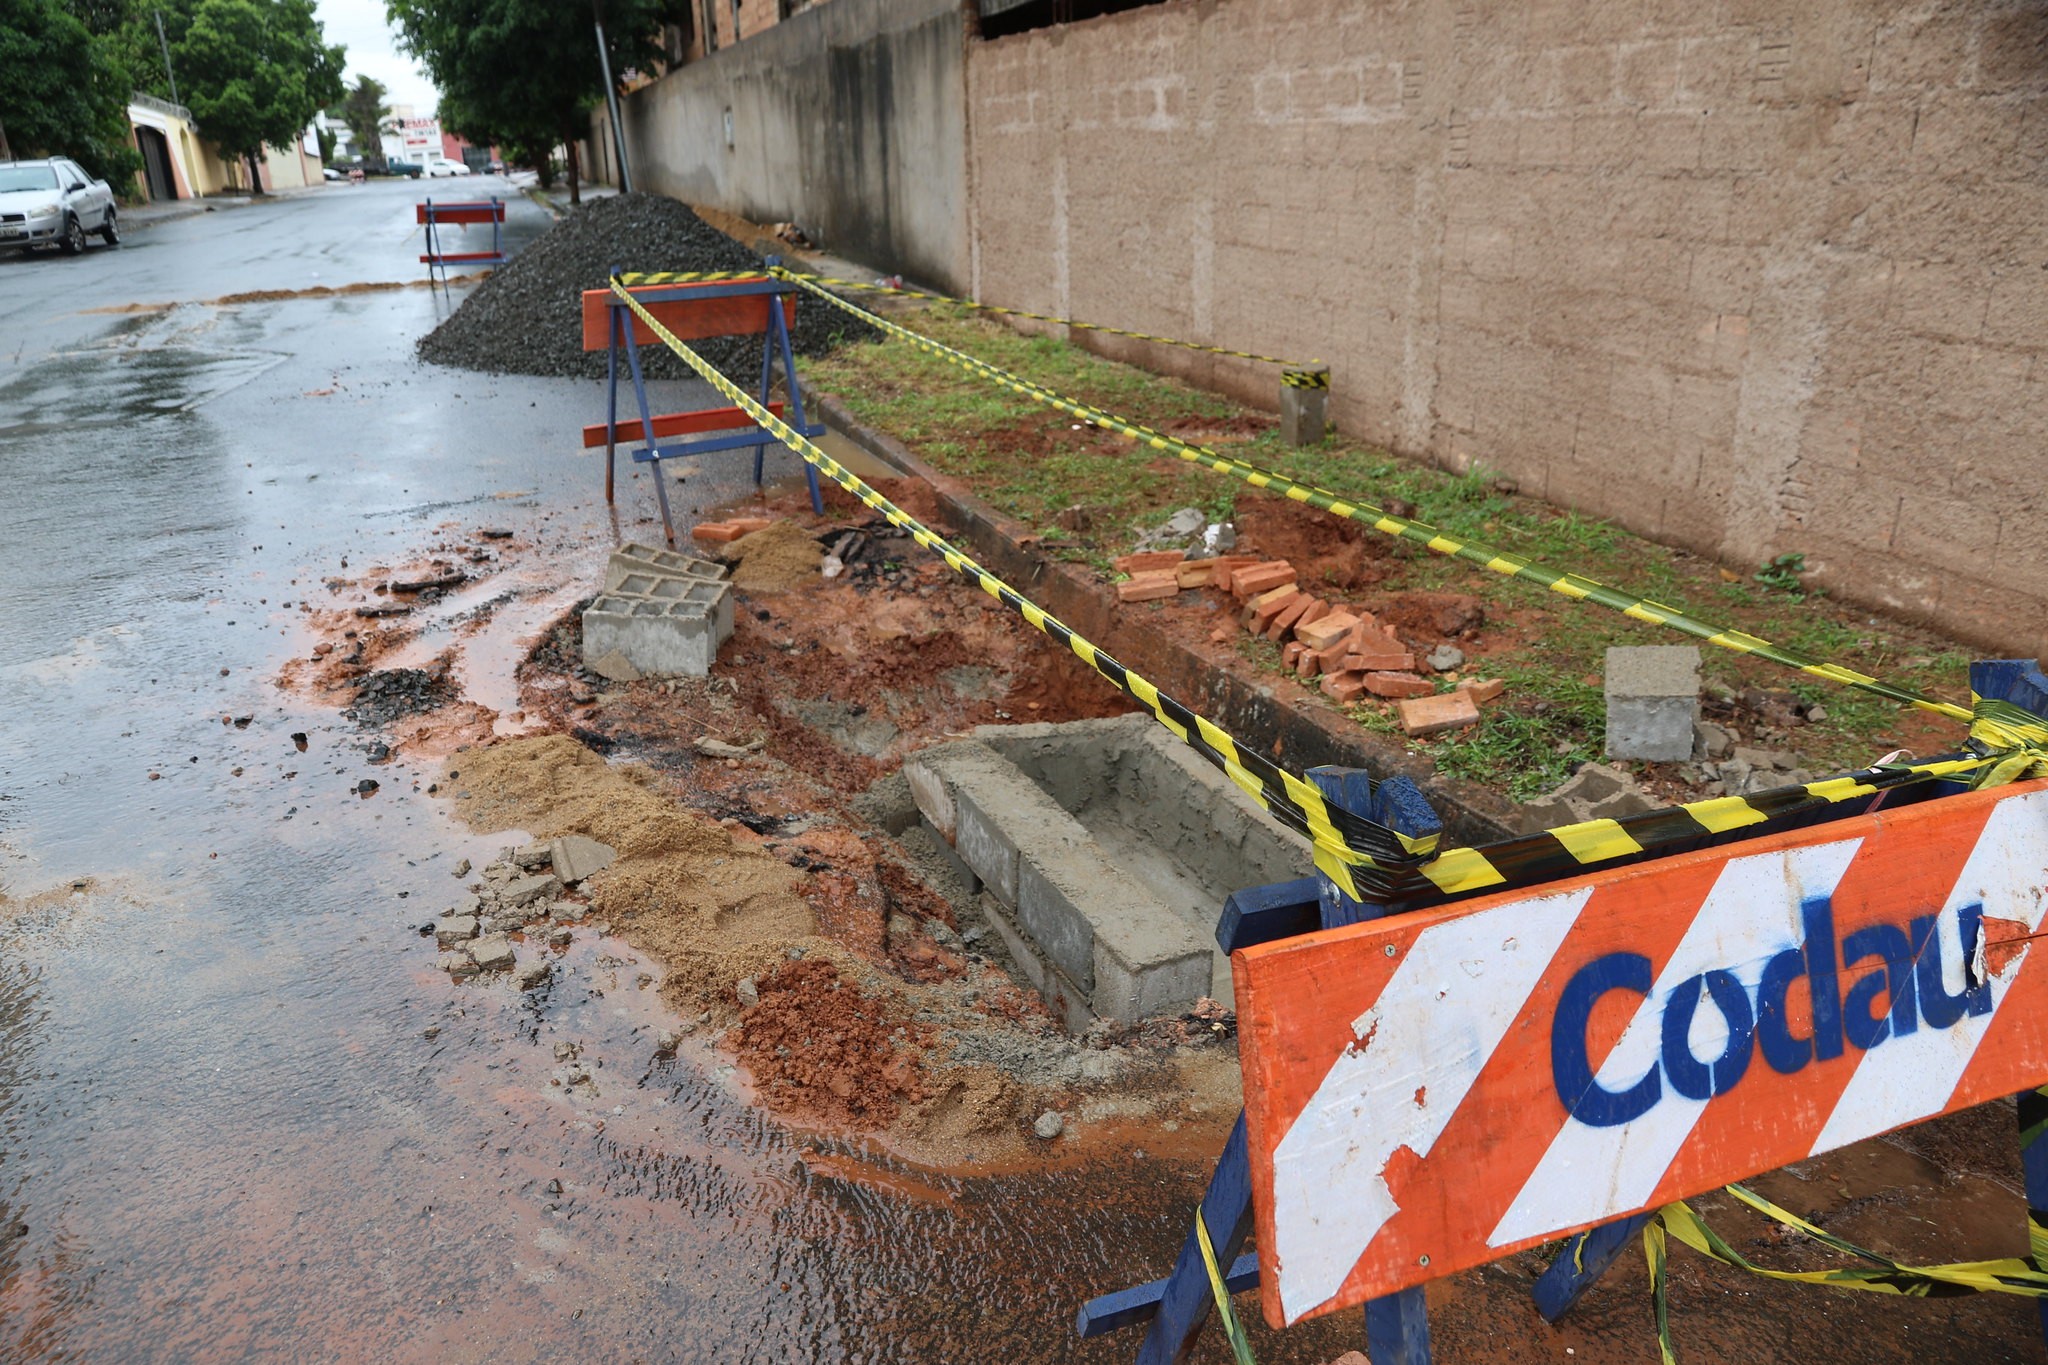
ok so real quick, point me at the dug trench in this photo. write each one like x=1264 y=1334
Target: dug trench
x=816 y=951
x=810 y=932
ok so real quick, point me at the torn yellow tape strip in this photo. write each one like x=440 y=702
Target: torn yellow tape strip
x=1573 y=585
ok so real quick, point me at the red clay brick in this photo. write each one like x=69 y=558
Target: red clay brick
x=1267 y=605
x=1144 y=561
x=1291 y=654
x=1398 y=685
x=1343 y=687
x=1297 y=607
x=1379 y=659
x=1483 y=689
x=1261 y=578
x=1144 y=587
x=1220 y=576
x=1330 y=630
x=1194 y=573
x=715 y=532
x=1428 y=715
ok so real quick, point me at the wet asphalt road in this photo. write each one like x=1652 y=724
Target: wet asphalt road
x=241 y=1116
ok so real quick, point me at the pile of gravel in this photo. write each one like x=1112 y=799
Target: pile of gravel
x=527 y=317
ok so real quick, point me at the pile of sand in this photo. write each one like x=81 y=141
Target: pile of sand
x=776 y=558
x=682 y=890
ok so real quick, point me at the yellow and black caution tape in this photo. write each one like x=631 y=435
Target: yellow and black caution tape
x=1577 y=586
x=1359 y=854
x=1881 y=1274
x=1299 y=374
x=1233 y=1330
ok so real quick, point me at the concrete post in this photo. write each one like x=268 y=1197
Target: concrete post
x=1304 y=405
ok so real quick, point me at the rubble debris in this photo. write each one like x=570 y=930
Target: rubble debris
x=1595 y=792
x=576 y=856
x=527 y=317
x=1050 y=1125
x=396 y=693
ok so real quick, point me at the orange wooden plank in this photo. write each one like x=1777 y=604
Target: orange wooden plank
x=679 y=424
x=689 y=319
x=467 y=213
x=1432 y=1091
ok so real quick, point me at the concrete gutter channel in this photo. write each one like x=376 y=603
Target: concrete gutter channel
x=1102 y=850
x=1301 y=735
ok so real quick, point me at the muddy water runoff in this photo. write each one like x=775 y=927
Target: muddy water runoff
x=240 y=1115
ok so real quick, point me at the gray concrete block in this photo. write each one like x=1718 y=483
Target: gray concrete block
x=985 y=846
x=1304 y=413
x=1061 y=996
x=661 y=636
x=1156 y=980
x=934 y=801
x=1053 y=903
x=1652 y=701
x=651 y=561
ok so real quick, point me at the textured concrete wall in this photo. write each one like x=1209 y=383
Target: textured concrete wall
x=1748 y=277
x=847 y=118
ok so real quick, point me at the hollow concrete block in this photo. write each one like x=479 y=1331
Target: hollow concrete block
x=661 y=637
x=650 y=561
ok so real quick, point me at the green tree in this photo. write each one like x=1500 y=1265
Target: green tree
x=63 y=90
x=255 y=71
x=364 y=112
x=525 y=73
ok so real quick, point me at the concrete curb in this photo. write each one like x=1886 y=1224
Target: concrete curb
x=1278 y=716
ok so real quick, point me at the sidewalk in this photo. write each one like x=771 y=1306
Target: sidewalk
x=170 y=211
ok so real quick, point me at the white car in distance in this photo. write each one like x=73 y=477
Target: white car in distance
x=52 y=201
x=441 y=165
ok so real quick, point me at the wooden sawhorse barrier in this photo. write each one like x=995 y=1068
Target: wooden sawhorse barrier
x=1448 y=1081
x=746 y=307
x=434 y=217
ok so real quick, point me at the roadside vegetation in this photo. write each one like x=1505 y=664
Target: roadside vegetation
x=1034 y=464
x=251 y=71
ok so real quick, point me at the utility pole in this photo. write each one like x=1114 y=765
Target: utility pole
x=165 y=44
x=611 y=99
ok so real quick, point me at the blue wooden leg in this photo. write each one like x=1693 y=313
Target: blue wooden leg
x=1583 y=1261
x=1186 y=1303
x=1396 y=1325
x=649 y=446
x=611 y=405
x=796 y=394
x=1397 y=1329
x=2034 y=1160
x=767 y=376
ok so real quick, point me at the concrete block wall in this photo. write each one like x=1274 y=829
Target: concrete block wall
x=847 y=118
x=1747 y=278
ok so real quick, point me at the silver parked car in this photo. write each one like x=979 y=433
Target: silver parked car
x=53 y=202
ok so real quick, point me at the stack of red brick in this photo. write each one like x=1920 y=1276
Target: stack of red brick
x=1346 y=647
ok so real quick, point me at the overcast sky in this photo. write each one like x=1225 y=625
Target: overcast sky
x=360 y=26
